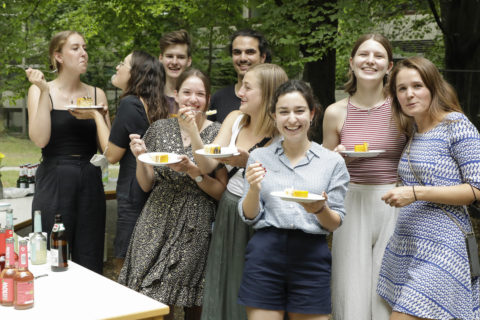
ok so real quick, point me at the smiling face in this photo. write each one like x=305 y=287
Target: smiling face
x=250 y=94
x=245 y=54
x=175 y=59
x=293 y=116
x=412 y=94
x=73 y=55
x=120 y=79
x=192 y=94
x=370 y=62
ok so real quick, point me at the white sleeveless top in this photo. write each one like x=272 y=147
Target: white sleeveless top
x=235 y=183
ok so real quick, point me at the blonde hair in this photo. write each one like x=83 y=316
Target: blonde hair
x=270 y=77
x=56 y=45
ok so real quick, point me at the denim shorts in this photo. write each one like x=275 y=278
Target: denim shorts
x=287 y=270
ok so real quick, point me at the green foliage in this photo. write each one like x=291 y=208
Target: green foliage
x=299 y=31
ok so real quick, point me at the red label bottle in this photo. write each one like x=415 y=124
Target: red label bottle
x=23 y=280
x=8 y=275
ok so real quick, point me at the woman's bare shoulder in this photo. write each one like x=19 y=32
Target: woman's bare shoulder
x=337 y=110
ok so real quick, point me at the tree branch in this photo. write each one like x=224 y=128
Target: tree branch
x=437 y=17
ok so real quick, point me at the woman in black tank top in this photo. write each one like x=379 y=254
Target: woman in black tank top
x=67 y=183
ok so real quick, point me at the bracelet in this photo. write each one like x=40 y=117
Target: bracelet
x=321 y=209
x=414 y=194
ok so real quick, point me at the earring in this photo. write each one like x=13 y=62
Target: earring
x=311 y=122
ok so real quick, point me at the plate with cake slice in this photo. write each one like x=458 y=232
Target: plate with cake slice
x=216 y=151
x=75 y=107
x=290 y=194
x=362 y=154
x=159 y=158
x=83 y=103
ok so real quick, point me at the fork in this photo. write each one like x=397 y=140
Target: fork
x=24 y=68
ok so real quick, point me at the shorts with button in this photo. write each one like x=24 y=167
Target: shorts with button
x=287 y=270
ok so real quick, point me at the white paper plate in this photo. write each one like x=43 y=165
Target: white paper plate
x=75 y=107
x=147 y=158
x=225 y=152
x=362 y=154
x=311 y=197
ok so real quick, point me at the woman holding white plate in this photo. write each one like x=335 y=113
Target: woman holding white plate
x=243 y=130
x=364 y=117
x=66 y=182
x=167 y=254
x=287 y=262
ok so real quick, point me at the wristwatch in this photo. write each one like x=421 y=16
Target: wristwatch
x=199 y=178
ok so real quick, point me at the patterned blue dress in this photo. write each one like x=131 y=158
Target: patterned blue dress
x=425 y=270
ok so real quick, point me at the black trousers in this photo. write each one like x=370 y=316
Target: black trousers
x=72 y=186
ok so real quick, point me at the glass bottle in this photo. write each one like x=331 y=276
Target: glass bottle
x=58 y=246
x=23 y=281
x=30 y=180
x=9 y=223
x=8 y=275
x=2 y=251
x=38 y=242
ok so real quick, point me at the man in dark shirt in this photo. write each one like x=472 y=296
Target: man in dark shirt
x=176 y=56
x=247 y=48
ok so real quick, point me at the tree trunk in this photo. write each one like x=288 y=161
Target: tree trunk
x=321 y=76
x=460 y=24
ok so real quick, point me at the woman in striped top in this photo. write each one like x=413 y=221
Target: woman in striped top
x=364 y=116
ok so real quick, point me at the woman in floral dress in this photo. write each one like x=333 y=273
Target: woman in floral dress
x=167 y=254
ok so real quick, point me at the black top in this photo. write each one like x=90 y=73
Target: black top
x=224 y=101
x=69 y=135
x=130 y=118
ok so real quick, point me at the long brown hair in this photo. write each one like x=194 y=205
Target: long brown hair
x=444 y=98
x=56 y=45
x=147 y=81
x=270 y=77
x=351 y=84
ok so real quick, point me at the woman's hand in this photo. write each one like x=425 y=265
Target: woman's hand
x=236 y=160
x=85 y=114
x=341 y=148
x=399 y=196
x=255 y=174
x=137 y=145
x=316 y=206
x=185 y=164
x=37 y=78
x=186 y=119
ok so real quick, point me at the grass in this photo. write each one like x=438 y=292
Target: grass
x=18 y=151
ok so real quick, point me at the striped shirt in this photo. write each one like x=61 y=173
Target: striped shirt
x=320 y=170
x=376 y=127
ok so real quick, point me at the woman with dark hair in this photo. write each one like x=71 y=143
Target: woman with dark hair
x=141 y=78
x=287 y=262
x=167 y=254
x=66 y=182
x=425 y=270
x=364 y=117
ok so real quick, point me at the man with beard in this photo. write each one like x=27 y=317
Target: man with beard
x=247 y=48
x=176 y=56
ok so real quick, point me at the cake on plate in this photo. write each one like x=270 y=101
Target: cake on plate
x=361 y=147
x=212 y=149
x=296 y=193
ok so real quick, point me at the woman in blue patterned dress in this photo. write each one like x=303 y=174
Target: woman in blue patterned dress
x=425 y=272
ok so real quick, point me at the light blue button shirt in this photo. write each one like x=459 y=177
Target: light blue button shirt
x=321 y=170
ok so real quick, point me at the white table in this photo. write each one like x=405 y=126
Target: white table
x=79 y=293
x=22 y=212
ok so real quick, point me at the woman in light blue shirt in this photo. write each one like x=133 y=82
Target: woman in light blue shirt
x=287 y=266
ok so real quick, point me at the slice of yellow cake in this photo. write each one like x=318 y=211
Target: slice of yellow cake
x=296 y=193
x=84 y=102
x=361 y=147
x=161 y=158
